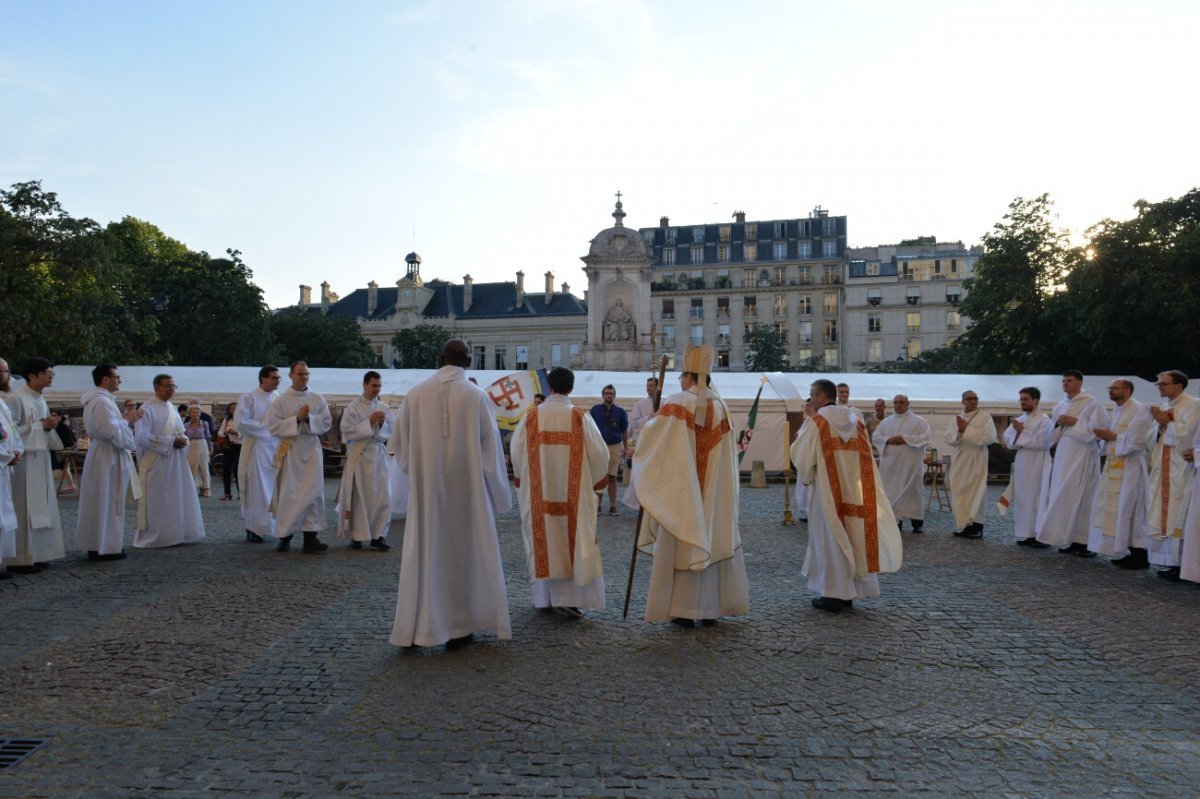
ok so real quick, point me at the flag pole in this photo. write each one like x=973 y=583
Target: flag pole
x=662 y=376
x=788 y=520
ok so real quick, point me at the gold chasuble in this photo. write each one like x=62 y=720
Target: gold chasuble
x=866 y=511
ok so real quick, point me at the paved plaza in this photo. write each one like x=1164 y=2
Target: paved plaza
x=226 y=669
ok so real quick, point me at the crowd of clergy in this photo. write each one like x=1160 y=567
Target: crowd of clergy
x=439 y=460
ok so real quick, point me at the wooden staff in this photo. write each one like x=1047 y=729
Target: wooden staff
x=662 y=375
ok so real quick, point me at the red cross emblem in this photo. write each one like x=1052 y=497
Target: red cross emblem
x=508 y=388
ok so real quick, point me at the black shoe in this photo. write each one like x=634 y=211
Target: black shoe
x=37 y=570
x=974 y=531
x=1024 y=542
x=42 y=564
x=683 y=622
x=253 y=537
x=1171 y=574
x=966 y=531
x=918 y=525
x=1087 y=553
x=708 y=622
x=312 y=544
x=460 y=642
x=380 y=543
x=4 y=575
x=115 y=555
x=93 y=555
x=1035 y=544
x=828 y=603
x=356 y=544
x=1136 y=559
x=1073 y=549
x=284 y=544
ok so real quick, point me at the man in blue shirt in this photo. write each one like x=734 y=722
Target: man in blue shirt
x=614 y=426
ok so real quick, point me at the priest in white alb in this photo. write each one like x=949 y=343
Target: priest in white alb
x=108 y=471
x=169 y=511
x=852 y=534
x=364 y=509
x=256 y=467
x=560 y=460
x=298 y=418
x=1067 y=514
x=970 y=433
x=451 y=575
x=39 y=537
x=11 y=450
x=900 y=440
x=1171 y=473
x=686 y=474
x=1030 y=435
x=1119 y=509
x=397 y=479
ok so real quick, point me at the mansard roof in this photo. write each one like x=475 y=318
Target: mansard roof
x=488 y=301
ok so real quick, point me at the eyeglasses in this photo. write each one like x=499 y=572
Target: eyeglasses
x=1160 y=383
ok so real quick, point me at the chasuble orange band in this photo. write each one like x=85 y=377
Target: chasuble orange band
x=540 y=508
x=707 y=437
x=867 y=511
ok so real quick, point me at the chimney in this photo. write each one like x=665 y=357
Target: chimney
x=664 y=221
x=305 y=295
x=566 y=287
x=372 y=297
x=739 y=216
x=520 y=289
x=468 y=291
x=325 y=296
x=549 y=287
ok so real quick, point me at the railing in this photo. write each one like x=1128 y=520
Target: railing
x=695 y=313
x=668 y=314
x=750 y=310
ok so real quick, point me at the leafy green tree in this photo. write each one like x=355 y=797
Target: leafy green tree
x=813 y=364
x=1015 y=300
x=940 y=360
x=321 y=341
x=1134 y=292
x=766 y=350
x=420 y=346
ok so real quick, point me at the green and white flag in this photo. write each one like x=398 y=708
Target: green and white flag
x=743 y=442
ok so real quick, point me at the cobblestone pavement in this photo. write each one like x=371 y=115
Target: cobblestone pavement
x=226 y=669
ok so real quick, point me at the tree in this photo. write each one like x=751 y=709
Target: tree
x=420 y=347
x=320 y=340
x=1134 y=292
x=766 y=350
x=1015 y=300
x=940 y=360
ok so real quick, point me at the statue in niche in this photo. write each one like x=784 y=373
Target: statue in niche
x=618 y=325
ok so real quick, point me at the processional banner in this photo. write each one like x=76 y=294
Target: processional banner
x=512 y=396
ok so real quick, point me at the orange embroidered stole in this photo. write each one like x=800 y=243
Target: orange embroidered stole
x=830 y=444
x=707 y=437
x=540 y=508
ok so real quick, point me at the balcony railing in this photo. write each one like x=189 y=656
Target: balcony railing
x=750 y=310
x=668 y=314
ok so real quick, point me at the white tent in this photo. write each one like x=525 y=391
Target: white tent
x=936 y=397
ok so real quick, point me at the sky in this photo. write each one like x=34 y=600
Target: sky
x=325 y=141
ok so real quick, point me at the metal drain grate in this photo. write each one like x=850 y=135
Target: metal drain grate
x=14 y=750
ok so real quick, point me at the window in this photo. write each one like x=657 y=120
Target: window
x=750 y=307
x=751 y=231
x=723 y=253
x=697 y=337
x=952 y=295
x=828 y=226
x=805 y=278
x=830 y=330
x=747 y=277
x=671 y=236
x=748 y=328
x=697 y=253
x=722 y=307
x=668 y=258
x=555 y=355
x=697 y=281
x=481 y=357
x=698 y=234
x=832 y=274
x=668 y=334
x=874 y=350
x=668 y=309
x=805 y=303
x=501 y=357
x=831 y=303
x=782 y=329
x=722 y=359
x=779 y=230
x=764 y=278
x=872 y=269
x=723 y=333
x=912 y=321
x=779 y=250
x=953 y=320
x=831 y=357
x=913 y=348
x=953 y=265
x=874 y=296
x=804 y=332
x=937 y=266
x=829 y=249
x=874 y=323
x=575 y=351
x=780 y=275
x=913 y=295
x=749 y=252
x=780 y=305
x=697 y=311
x=804 y=249
x=723 y=232
x=522 y=356
x=803 y=354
